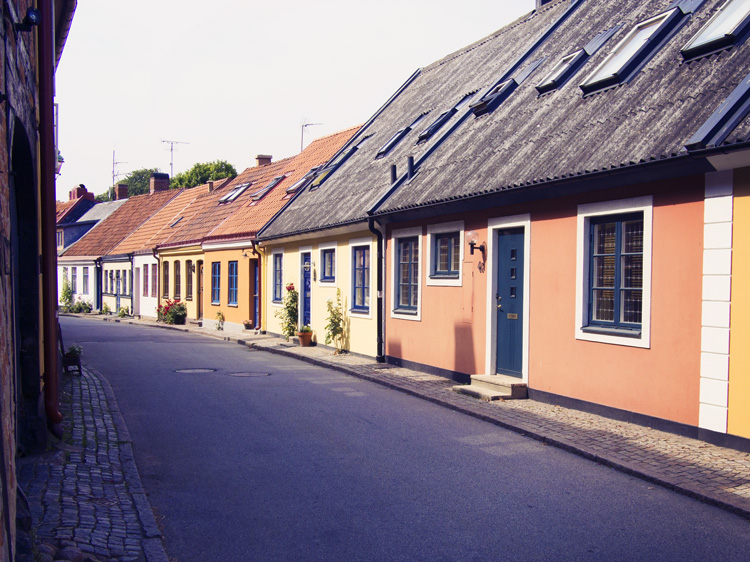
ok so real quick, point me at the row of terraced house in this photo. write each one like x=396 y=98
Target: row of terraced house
x=562 y=207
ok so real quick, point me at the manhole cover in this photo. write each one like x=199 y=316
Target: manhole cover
x=249 y=374
x=194 y=370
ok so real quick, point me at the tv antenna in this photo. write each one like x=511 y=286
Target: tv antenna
x=114 y=164
x=302 y=138
x=171 y=151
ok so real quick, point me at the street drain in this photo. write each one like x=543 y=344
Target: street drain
x=194 y=370
x=249 y=374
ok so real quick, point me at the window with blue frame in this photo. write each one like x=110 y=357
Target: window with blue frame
x=407 y=272
x=278 y=295
x=215 y=282
x=85 y=289
x=74 y=279
x=233 y=283
x=361 y=285
x=328 y=267
x=616 y=271
x=446 y=255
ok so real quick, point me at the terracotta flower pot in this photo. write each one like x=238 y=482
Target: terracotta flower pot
x=305 y=338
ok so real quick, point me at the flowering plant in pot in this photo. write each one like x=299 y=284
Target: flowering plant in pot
x=305 y=336
x=289 y=312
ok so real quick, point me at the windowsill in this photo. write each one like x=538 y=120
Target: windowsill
x=215 y=303
x=233 y=305
x=359 y=311
x=620 y=332
x=188 y=298
x=405 y=311
x=327 y=280
x=444 y=275
x=276 y=302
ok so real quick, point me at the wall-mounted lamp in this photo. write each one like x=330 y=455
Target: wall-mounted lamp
x=472 y=237
x=32 y=19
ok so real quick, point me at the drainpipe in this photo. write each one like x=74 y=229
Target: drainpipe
x=261 y=309
x=47 y=162
x=99 y=283
x=158 y=277
x=380 y=357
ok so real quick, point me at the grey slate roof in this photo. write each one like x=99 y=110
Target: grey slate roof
x=101 y=211
x=531 y=139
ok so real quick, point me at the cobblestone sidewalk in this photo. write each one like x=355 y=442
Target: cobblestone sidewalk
x=85 y=496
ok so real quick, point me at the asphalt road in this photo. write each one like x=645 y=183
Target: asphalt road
x=265 y=458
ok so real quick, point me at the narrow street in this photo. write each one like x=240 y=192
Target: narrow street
x=250 y=456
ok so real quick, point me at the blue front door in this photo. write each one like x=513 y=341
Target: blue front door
x=509 y=302
x=256 y=294
x=306 y=284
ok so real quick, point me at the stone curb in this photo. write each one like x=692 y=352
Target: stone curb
x=631 y=470
x=153 y=545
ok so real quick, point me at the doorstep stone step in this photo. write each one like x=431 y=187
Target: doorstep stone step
x=495 y=386
x=481 y=393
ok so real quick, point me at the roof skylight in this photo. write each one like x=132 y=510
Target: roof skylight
x=336 y=162
x=633 y=51
x=258 y=195
x=234 y=194
x=561 y=72
x=722 y=30
x=442 y=119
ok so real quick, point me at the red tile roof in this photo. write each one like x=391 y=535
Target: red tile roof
x=251 y=216
x=111 y=231
x=62 y=208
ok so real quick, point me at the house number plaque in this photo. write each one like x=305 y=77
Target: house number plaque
x=512 y=316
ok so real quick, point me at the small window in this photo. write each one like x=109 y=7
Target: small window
x=124 y=282
x=492 y=99
x=361 y=285
x=446 y=250
x=616 y=271
x=112 y=282
x=85 y=289
x=278 y=259
x=177 y=280
x=215 y=282
x=74 y=279
x=154 y=280
x=118 y=283
x=234 y=193
x=175 y=222
x=396 y=138
x=232 y=287
x=334 y=164
x=59 y=238
x=145 y=279
x=443 y=118
x=165 y=276
x=328 y=265
x=632 y=52
x=562 y=71
x=407 y=274
x=189 y=280
x=258 y=195
x=722 y=30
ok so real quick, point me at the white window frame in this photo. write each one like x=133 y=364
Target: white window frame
x=443 y=228
x=586 y=212
x=329 y=246
x=695 y=47
x=395 y=236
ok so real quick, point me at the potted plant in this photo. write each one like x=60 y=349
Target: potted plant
x=248 y=324
x=305 y=336
x=72 y=357
x=335 y=325
x=289 y=313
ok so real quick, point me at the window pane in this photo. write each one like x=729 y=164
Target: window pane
x=456 y=253
x=604 y=305
x=631 y=307
x=632 y=272
x=604 y=272
x=632 y=237
x=723 y=24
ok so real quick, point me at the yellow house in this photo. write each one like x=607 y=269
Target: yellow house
x=338 y=267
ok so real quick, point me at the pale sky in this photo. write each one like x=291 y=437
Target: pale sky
x=235 y=79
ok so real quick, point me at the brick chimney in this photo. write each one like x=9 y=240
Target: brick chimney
x=263 y=159
x=158 y=182
x=121 y=191
x=80 y=191
x=210 y=186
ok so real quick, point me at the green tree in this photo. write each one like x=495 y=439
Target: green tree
x=138 y=181
x=104 y=197
x=202 y=173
